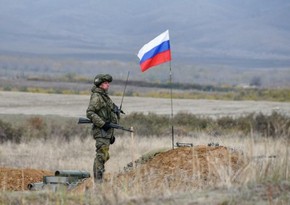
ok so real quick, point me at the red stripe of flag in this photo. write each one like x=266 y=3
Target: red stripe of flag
x=156 y=60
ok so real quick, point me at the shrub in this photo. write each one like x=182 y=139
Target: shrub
x=147 y=125
x=8 y=133
x=35 y=127
x=7 y=88
x=244 y=123
x=274 y=125
x=68 y=130
x=227 y=122
x=192 y=122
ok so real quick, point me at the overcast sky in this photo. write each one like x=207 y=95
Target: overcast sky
x=199 y=29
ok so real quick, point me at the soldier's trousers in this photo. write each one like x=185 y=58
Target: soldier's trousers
x=102 y=156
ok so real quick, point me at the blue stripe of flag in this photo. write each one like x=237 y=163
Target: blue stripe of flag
x=164 y=46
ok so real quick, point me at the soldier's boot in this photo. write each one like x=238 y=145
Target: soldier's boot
x=98 y=177
x=102 y=155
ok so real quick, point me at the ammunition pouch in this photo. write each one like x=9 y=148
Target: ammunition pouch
x=112 y=139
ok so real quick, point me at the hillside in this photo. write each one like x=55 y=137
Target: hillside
x=55 y=37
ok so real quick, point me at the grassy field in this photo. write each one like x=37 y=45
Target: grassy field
x=262 y=179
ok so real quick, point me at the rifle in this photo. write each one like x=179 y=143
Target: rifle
x=116 y=109
x=83 y=120
x=124 y=92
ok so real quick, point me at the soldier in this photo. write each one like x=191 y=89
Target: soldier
x=101 y=112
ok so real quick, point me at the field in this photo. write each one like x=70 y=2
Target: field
x=239 y=170
x=76 y=105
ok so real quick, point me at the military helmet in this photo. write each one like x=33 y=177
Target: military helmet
x=100 y=78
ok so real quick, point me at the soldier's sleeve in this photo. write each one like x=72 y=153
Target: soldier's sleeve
x=93 y=107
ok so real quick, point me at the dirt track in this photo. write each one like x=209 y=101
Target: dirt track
x=75 y=105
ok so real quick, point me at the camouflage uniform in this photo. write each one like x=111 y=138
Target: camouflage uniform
x=101 y=110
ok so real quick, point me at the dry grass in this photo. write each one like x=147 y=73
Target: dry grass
x=76 y=154
x=264 y=179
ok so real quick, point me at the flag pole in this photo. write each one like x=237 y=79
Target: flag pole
x=155 y=52
x=171 y=116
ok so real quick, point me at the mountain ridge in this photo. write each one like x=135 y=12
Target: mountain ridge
x=219 y=34
x=197 y=28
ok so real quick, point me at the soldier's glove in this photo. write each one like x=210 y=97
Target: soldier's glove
x=112 y=139
x=106 y=126
x=118 y=111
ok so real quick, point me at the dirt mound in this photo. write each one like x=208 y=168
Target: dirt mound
x=12 y=179
x=181 y=168
x=176 y=168
x=185 y=166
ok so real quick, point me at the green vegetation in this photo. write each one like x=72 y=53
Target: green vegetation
x=263 y=139
x=45 y=90
x=280 y=95
x=275 y=125
x=25 y=129
x=159 y=90
x=36 y=127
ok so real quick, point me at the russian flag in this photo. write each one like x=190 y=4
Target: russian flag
x=155 y=52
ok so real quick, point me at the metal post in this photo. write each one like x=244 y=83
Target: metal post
x=171 y=116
